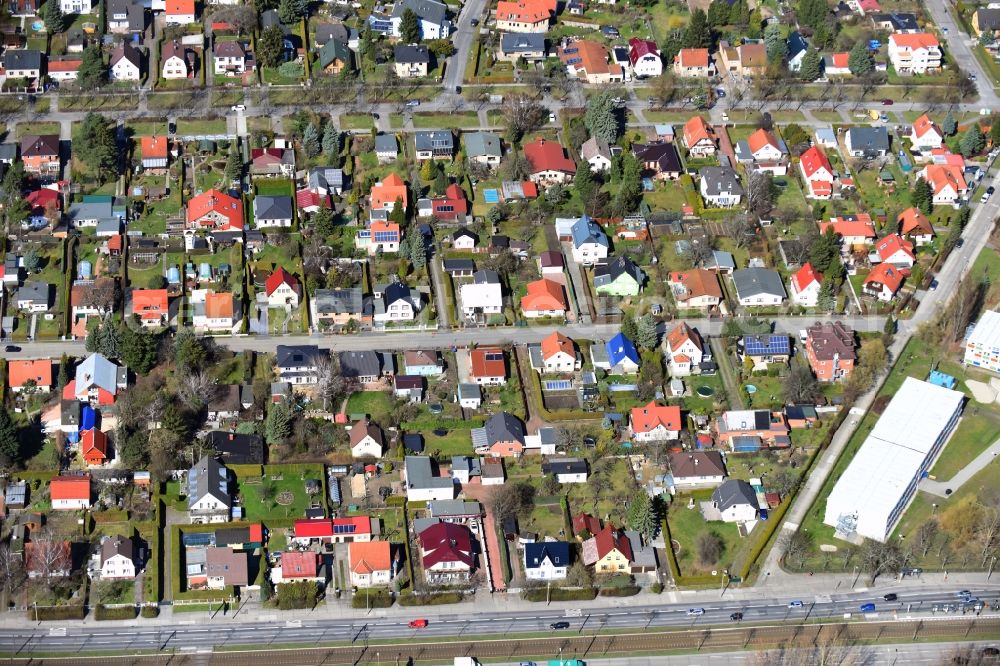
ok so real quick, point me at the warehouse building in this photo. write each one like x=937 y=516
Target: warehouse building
x=875 y=489
x=982 y=347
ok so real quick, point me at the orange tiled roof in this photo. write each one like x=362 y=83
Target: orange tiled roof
x=805 y=276
x=525 y=11
x=651 y=416
x=681 y=333
x=369 y=557
x=693 y=57
x=544 y=294
x=912 y=221
x=154 y=146
x=695 y=130
x=488 y=362
x=555 y=343
x=914 y=40
x=923 y=125
x=698 y=282
x=388 y=191
x=149 y=303
x=20 y=372
x=218 y=306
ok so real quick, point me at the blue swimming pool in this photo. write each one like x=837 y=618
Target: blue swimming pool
x=491 y=196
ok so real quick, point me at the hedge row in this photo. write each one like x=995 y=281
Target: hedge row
x=112 y=516
x=429 y=423
x=371 y=599
x=102 y=612
x=675 y=572
x=629 y=591
x=150 y=611
x=559 y=594
x=48 y=613
x=429 y=599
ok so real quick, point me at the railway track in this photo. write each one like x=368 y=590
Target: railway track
x=719 y=639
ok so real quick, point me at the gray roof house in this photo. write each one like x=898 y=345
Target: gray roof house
x=501 y=428
x=33 y=296
x=366 y=366
x=422 y=483
x=333 y=304
x=326 y=180
x=597 y=153
x=868 y=142
x=299 y=364
x=386 y=147
x=433 y=17
x=720 y=187
x=758 y=286
x=23 y=62
x=608 y=273
x=208 y=492
x=527 y=45
x=327 y=31
x=439 y=144
x=734 y=493
x=272 y=211
x=406 y=54
x=90 y=211
x=8 y=152
x=483 y=147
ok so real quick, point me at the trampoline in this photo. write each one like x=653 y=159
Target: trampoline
x=491 y=196
x=705 y=391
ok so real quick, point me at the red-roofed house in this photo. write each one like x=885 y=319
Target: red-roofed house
x=298 y=566
x=35 y=375
x=947 y=183
x=94 y=447
x=155 y=153
x=371 y=563
x=70 y=493
x=549 y=163
x=645 y=58
x=557 y=354
x=584 y=522
x=856 y=231
x=282 y=288
x=925 y=134
x=588 y=60
x=66 y=68
x=488 y=366
x=915 y=226
x=525 y=15
x=609 y=551
x=310 y=202
x=694 y=63
x=805 y=284
x=44 y=202
x=765 y=152
x=333 y=530
x=448 y=207
x=699 y=137
x=895 y=250
x=817 y=172
x=684 y=349
x=836 y=64
x=385 y=194
x=446 y=550
x=378 y=235
x=655 y=422
x=883 y=282
x=545 y=298
x=914 y=52
x=216 y=210
x=179 y=12
x=151 y=306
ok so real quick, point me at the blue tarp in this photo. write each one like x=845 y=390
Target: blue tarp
x=88 y=418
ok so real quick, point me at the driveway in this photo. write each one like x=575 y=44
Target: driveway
x=976 y=465
x=489 y=536
x=581 y=302
x=437 y=274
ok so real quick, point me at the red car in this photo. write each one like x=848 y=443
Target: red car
x=887 y=102
x=418 y=624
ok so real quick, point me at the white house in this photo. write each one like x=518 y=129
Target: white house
x=117 y=558
x=684 y=350
x=208 y=492
x=805 y=284
x=644 y=57
x=431 y=17
x=590 y=244
x=76 y=6
x=212 y=311
x=126 y=64
x=925 y=134
x=396 y=302
x=555 y=354
x=720 y=187
x=463 y=239
x=482 y=296
x=914 y=52
x=758 y=287
x=370 y=563
x=567 y=470
x=652 y=422
x=366 y=440
x=736 y=501
x=270 y=212
x=697 y=469
x=597 y=153
x=282 y=289
x=547 y=560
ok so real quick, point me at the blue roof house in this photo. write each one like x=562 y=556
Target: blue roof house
x=618 y=356
x=590 y=243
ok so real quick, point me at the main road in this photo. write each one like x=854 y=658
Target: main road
x=700 y=611
x=441 y=339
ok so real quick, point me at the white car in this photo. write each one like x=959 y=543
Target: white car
x=239 y=107
x=552 y=117
x=696 y=611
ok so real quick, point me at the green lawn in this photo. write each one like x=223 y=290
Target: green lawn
x=377 y=404
x=286 y=486
x=356 y=121
x=274 y=187
x=187 y=126
x=454 y=442
x=978 y=429
x=687 y=526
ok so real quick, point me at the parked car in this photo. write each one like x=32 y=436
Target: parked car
x=418 y=624
x=559 y=625
x=239 y=107
x=887 y=102
x=413 y=102
x=932 y=286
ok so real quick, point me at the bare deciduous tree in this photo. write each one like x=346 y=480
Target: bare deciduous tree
x=521 y=115
x=46 y=556
x=196 y=389
x=11 y=569
x=796 y=545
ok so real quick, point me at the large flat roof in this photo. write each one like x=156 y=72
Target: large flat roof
x=896 y=451
x=987 y=331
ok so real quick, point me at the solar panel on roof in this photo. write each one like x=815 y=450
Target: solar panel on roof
x=494 y=356
x=344 y=529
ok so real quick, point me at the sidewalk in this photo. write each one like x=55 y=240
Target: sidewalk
x=944 y=488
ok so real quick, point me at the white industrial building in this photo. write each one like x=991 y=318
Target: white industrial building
x=875 y=489
x=982 y=348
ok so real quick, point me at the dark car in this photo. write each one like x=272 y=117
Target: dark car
x=891 y=596
x=12 y=348
x=559 y=625
x=736 y=617
x=474 y=22
x=887 y=102
x=991 y=651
